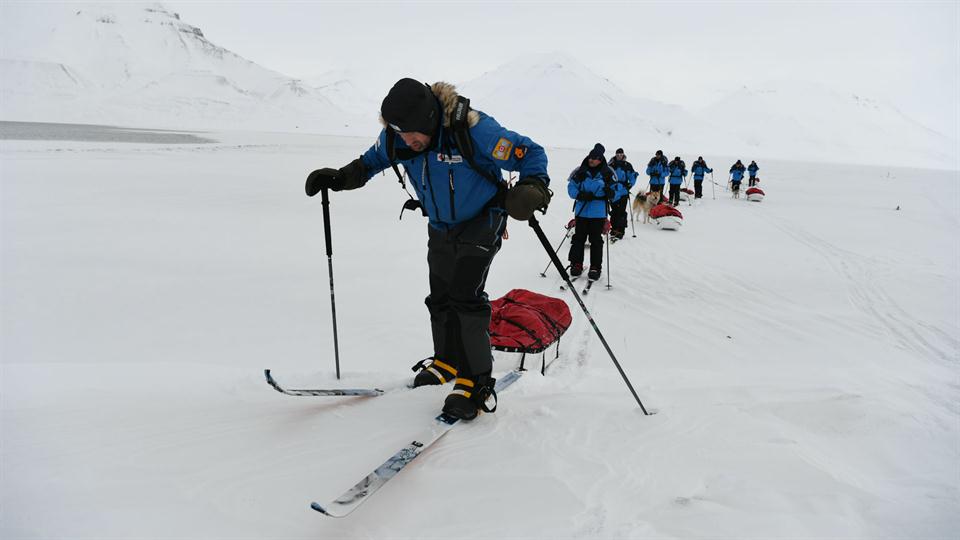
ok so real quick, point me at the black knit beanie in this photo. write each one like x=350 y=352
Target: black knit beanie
x=411 y=106
x=597 y=152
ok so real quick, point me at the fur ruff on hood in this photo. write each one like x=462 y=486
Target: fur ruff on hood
x=447 y=94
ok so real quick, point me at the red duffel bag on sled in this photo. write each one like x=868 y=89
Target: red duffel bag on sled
x=527 y=322
x=666 y=217
x=755 y=194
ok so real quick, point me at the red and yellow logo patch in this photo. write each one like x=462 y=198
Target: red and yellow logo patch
x=502 y=149
x=520 y=151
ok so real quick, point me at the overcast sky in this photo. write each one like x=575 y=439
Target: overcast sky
x=906 y=53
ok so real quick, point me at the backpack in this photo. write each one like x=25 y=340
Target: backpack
x=460 y=130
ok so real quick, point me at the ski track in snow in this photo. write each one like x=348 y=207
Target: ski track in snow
x=175 y=275
x=868 y=297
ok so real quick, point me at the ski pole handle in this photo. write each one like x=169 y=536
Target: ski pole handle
x=325 y=201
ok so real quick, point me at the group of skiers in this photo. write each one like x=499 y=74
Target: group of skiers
x=600 y=188
x=453 y=156
x=736 y=175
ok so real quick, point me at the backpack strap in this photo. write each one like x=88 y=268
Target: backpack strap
x=460 y=127
x=412 y=203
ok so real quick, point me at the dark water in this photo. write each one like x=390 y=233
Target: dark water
x=42 y=131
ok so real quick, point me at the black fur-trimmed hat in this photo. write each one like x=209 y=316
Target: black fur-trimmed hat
x=411 y=106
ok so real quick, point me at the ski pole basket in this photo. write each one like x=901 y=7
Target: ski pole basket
x=525 y=322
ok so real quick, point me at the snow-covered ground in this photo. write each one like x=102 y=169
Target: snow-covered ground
x=802 y=352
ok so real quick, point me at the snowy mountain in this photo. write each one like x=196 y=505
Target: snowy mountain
x=141 y=64
x=793 y=119
x=560 y=101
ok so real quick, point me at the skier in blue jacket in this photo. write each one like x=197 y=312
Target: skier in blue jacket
x=592 y=186
x=467 y=205
x=678 y=171
x=657 y=170
x=626 y=177
x=699 y=169
x=736 y=176
x=752 y=169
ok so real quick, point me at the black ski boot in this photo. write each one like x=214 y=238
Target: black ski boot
x=594 y=273
x=433 y=371
x=576 y=269
x=469 y=397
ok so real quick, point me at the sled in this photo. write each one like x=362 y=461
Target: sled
x=666 y=217
x=525 y=322
x=755 y=194
x=686 y=195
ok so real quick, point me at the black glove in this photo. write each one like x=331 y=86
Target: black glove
x=609 y=192
x=585 y=196
x=350 y=176
x=527 y=195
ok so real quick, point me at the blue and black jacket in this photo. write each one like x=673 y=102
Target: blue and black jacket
x=449 y=189
x=626 y=177
x=699 y=169
x=592 y=189
x=737 y=172
x=657 y=170
x=678 y=171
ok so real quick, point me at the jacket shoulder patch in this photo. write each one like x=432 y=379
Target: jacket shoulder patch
x=502 y=149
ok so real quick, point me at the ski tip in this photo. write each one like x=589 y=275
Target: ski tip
x=324 y=511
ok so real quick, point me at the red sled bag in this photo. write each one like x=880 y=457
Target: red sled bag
x=687 y=191
x=663 y=210
x=527 y=322
x=756 y=190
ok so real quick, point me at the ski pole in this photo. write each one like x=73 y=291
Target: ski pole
x=560 y=245
x=609 y=263
x=633 y=226
x=713 y=186
x=609 y=207
x=325 y=201
x=563 y=273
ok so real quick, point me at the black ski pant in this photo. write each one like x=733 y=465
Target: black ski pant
x=656 y=187
x=752 y=182
x=459 y=259
x=592 y=228
x=697 y=189
x=675 y=194
x=618 y=215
